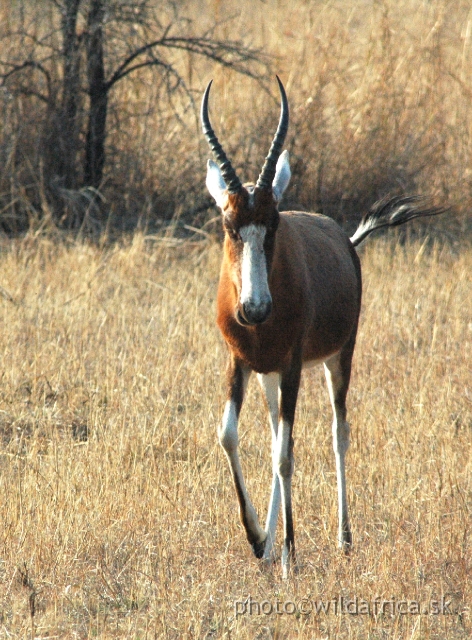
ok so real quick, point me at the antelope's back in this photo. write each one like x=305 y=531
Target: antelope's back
x=317 y=260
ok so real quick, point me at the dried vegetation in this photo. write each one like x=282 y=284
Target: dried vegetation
x=118 y=518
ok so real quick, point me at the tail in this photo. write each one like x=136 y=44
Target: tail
x=391 y=213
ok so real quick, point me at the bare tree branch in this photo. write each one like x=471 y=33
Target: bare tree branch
x=21 y=67
x=231 y=54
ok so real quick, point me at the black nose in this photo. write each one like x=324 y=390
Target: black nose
x=256 y=314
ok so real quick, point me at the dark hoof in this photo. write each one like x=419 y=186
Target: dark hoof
x=258 y=549
x=346 y=545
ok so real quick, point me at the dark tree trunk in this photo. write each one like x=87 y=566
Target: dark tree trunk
x=98 y=96
x=70 y=95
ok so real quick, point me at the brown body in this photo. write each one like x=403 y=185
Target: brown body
x=315 y=282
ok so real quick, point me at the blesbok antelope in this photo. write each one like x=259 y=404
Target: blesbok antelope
x=289 y=295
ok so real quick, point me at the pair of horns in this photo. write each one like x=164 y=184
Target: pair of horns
x=267 y=174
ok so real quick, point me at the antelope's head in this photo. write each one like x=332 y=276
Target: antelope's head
x=250 y=215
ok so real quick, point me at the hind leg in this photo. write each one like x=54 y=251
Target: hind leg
x=338 y=373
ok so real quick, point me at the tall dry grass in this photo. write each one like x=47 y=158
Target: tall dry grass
x=117 y=514
x=380 y=96
x=118 y=517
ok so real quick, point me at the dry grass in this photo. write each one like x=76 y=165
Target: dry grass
x=118 y=518
x=379 y=95
x=117 y=514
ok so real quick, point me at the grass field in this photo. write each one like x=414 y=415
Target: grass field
x=118 y=516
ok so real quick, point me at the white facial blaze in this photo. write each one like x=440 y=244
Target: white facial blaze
x=254 y=284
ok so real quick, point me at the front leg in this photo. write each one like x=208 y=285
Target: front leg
x=290 y=383
x=270 y=385
x=237 y=378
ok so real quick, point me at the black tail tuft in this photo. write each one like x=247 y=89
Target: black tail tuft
x=391 y=213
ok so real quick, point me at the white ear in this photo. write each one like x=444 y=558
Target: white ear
x=282 y=176
x=215 y=183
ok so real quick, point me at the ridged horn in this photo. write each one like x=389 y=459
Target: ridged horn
x=267 y=174
x=232 y=181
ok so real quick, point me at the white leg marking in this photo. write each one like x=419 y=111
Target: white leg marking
x=340 y=442
x=284 y=471
x=228 y=436
x=270 y=385
x=254 y=284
